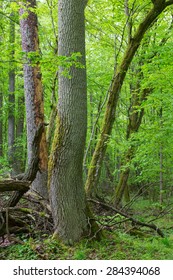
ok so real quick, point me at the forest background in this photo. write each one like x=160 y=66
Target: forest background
x=135 y=170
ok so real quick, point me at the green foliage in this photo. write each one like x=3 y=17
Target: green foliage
x=20 y=252
x=5 y=169
x=117 y=246
x=107 y=36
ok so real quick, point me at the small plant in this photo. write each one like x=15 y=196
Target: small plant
x=80 y=255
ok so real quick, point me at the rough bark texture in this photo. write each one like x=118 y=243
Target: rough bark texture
x=114 y=91
x=33 y=91
x=66 y=183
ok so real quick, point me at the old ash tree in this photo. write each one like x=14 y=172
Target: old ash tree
x=70 y=211
x=67 y=195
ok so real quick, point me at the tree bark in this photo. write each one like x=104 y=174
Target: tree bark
x=114 y=91
x=67 y=194
x=33 y=91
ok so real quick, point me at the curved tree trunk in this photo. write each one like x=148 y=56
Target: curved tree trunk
x=67 y=194
x=114 y=91
x=33 y=91
x=134 y=122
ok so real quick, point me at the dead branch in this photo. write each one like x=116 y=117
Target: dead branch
x=32 y=170
x=25 y=211
x=134 y=221
x=13 y=185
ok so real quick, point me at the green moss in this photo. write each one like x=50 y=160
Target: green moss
x=56 y=145
x=113 y=246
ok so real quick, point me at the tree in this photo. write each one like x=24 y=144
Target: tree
x=114 y=92
x=33 y=90
x=1 y=109
x=11 y=98
x=68 y=202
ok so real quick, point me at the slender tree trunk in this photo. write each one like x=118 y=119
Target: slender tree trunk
x=1 y=108
x=67 y=194
x=161 y=159
x=135 y=119
x=161 y=174
x=114 y=91
x=33 y=91
x=11 y=100
x=1 y=123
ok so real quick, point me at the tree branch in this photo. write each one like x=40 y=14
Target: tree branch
x=30 y=173
x=134 y=221
x=13 y=185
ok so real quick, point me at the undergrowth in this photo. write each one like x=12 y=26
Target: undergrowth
x=115 y=246
x=118 y=243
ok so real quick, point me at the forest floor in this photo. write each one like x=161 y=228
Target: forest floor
x=121 y=241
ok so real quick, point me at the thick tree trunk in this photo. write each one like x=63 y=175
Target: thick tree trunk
x=114 y=91
x=67 y=194
x=33 y=91
x=11 y=101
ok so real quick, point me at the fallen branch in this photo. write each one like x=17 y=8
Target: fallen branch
x=26 y=211
x=13 y=185
x=134 y=221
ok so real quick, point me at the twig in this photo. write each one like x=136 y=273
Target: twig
x=7 y=224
